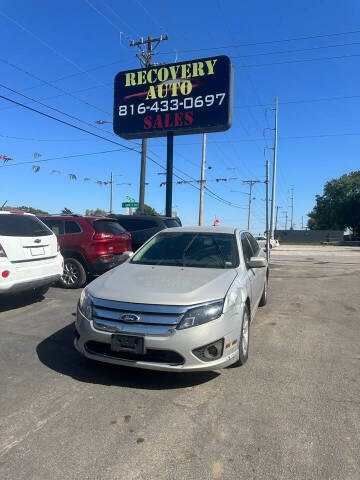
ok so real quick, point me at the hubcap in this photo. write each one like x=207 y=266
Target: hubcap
x=71 y=274
x=245 y=334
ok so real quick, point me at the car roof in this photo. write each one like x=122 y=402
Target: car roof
x=15 y=212
x=143 y=217
x=208 y=229
x=90 y=218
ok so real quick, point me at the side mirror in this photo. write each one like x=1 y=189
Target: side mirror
x=257 y=262
x=128 y=255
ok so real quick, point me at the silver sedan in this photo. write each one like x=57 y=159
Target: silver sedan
x=183 y=302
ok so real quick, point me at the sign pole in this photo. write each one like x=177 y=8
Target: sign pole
x=201 y=207
x=169 y=172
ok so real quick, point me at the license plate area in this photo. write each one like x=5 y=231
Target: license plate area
x=128 y=343
x=37 y=251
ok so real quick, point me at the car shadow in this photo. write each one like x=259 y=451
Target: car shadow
x=58 y=353
x=18 y=300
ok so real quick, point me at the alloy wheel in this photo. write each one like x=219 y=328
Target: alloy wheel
x=71 y=274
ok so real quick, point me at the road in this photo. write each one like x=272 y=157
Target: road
x=292 y=412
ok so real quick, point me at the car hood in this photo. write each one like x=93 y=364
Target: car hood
x=162 y=285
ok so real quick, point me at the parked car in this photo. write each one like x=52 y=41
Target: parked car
x=29 y=254
x=262 y=242
x=143 y=227
x=89 y=245
x=184 y=302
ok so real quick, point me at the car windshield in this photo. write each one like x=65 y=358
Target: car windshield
x=20 y=225
x=190 y=249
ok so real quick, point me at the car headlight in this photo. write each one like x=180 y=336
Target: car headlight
x=200 y=315
x=86 y=304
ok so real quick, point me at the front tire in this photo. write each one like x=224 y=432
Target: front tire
x=244 y=338
x=264 y=296
x=74 y=275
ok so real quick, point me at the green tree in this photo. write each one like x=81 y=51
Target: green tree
x=150 y=210
x=339 y=206
x=23 y=208
x=66 y=211
x=96 y=213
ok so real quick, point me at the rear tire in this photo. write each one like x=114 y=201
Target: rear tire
x=74 y=275
x=264 y=296
x=243 y=345
x=40 y=291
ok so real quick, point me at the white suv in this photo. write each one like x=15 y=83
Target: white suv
x=29 y=254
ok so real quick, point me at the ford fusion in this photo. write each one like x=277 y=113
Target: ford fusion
x=183 y=302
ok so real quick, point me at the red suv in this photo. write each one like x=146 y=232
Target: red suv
x=89 y=245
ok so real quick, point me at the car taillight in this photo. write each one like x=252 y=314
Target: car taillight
x=5 y=273
x=17 y=212
x=103 y=236
x=2 y=252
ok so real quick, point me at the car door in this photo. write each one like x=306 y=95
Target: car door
x=250 y=272
x=259 y=273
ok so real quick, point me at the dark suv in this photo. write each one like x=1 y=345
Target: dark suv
x=142 y=227
x=89 y=245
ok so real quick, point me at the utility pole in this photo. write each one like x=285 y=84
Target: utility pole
x=286 y=220
x=276 y=218
x=145 y=59
x=302 y=223
x=274 y=171
x=202 y=181
x=251 y=183
x=267 y=212
x=111 y=191
x=292 y=208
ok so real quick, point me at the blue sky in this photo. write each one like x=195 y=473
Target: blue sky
x=318 y=140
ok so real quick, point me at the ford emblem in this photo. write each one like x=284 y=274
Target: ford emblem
x=129 y=317
x=37 y=240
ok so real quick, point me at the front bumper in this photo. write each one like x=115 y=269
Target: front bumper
x=106 y=262
x=176 y=346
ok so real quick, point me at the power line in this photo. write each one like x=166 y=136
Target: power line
x=66 y=123
x=47 y=45
x=53 y=86
x=60 y=158
x=296 y=50
x=39 y=139
x=291 y=102
x=214 y=195
x=301 y=61
x=268 y=42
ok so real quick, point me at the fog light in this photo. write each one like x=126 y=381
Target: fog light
x=210 y=352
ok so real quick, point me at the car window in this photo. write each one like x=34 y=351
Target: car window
x=190 y=249
x=133 y=224
x=72 y=227
x=172 y=222
x=57 y=226
x=254 y=245
x=19 y=225
x=108 y=226
x=247 y=250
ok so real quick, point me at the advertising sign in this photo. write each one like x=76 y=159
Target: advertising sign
x=194 y=96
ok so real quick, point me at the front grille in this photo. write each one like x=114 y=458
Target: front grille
x=151 y=355
x=108 y=310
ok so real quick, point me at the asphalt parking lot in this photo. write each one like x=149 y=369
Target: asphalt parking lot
x=292 y=412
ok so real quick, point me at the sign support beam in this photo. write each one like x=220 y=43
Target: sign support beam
x=169 y=172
